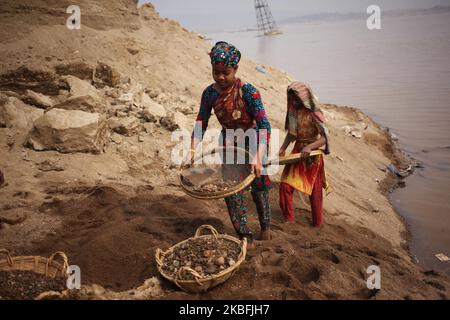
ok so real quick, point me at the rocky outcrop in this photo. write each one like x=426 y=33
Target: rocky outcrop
x=38 y=99
x=127 y=126
x=151 y=110
x=83 y=96
x=69 y=131
x=105 y=75
x=15 y=113
x=101 y=74
x=24 y=78
x=176 y=120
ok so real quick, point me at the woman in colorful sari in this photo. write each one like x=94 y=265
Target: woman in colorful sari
x=305 y=126
x=237 y=105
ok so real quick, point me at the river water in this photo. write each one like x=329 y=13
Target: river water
x=400 y=76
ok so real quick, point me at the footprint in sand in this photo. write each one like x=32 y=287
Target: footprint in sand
x=270 y=258
x=23 y=194
x=312 y=276
x=334 y=258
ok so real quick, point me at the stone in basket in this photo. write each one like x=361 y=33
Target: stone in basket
x=203 y=261
x=33 y=277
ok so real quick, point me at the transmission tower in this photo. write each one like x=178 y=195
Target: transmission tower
x=266 y=22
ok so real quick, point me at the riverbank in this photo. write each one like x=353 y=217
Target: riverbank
x=109 y=207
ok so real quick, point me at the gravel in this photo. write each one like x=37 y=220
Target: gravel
x=27 y=285
x=221 y=185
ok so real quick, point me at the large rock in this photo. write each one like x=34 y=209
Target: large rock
x=101 y=74
x=105 y=75
x=176 y=120
x=15 y=113
x=128 y=126
x=151 y=110
x=83 y=96
x=69 y=131
x=38 y=99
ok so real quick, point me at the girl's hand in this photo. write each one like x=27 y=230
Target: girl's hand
x=305 y=152
x=257 y=169
x=189 y=159
x=281 y=153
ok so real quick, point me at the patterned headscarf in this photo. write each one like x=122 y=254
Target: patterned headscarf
x=304 y=92
x=225 y=54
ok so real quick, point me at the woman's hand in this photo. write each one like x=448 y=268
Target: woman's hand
x=305 y=152
x=257 y=169
x=189 y=159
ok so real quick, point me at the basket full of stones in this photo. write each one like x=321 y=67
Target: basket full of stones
x=32 y=277
x=203 y=261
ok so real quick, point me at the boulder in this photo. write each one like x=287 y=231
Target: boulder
x=69 y=131
x=176 y=120
x=83 y=96
x=118 y=110
x=15 y=113
x=106 y=75
x=127 y=126
x=151 y=110
x=38 y=99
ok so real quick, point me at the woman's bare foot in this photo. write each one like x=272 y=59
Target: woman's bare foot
x=251 y=246
x=265 y=235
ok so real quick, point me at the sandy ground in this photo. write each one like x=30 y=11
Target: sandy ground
x=109 y=212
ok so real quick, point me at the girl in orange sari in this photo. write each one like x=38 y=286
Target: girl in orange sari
x=305 y=126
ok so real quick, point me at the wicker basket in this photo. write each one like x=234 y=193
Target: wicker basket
x=219 y=194
x=46 y=266
x=201 y=284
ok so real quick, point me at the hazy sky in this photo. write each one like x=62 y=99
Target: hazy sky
x=217 y=15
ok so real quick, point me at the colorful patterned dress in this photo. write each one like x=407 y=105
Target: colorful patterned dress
x=307 y=176
x=241 y=107
x=302 y=175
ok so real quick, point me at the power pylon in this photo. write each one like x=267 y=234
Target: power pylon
x=264 y=18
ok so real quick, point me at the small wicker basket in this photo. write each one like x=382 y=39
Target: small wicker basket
x=201 y=284
x=46 y=266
